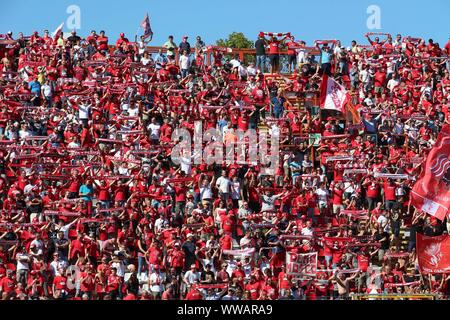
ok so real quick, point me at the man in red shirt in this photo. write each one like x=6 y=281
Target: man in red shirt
x=194 y=294
x=7 y=284
x=274 y=53
x=254 y=288
x=292 y=44
x=122 y=41
x=59 y=287
x=102 y=42
x=390 y=198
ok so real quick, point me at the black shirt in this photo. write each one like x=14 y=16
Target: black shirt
x=74 y=39
x=385 y=243
x=185 y=46
x=189 y=249
x=207 y=275
x=260 y=47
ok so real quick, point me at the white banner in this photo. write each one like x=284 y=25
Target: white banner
x=301 y=264
x=241 y=252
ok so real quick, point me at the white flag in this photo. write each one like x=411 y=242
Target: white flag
x=333 y=96
x=57 y=32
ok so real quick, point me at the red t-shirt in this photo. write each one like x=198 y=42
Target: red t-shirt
x=7 y=285
x=337 y=196
x=373 y=191
x=60 y=282
x=363 y=262
x=389 y=192
x=194 y=294
x=254 y=290
x=274 y=47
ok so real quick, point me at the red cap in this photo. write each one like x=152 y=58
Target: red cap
x=122 y=34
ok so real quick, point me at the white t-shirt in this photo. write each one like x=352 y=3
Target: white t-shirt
x=154 y=130
x=392 y=84
x=24 y=134
x=145 y=61
x=22 y=265
x=382 y=221
x=268 y=203
x=205 y=193
x=210 y=262
x=184 y=62
x=120 y=268
x=157 y=281
x=223 y=184
x=83 y=111
x=235 y=63
x=133 y=112
x=322 y=195
x=251 y=71
x=242 y=71
x=364 y=76
x=302 y=56
x=47 y=90
x=56 y=265
x=191 y=277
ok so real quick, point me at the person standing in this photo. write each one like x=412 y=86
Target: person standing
x=185 y=45
x=184 y=64
x=260 y=46
x=170 y=46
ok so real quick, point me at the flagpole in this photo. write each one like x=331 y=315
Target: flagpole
x=135 y=35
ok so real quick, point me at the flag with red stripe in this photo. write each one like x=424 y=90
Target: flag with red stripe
x=431 y=193
x=145 y=24
x=333 y=96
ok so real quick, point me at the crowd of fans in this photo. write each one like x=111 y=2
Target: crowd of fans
x=92 y=207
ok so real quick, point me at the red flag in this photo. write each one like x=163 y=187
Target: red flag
x=433 y=253
x=145 y=24
x=333 y=96
x=57 y=32
x=431 y=193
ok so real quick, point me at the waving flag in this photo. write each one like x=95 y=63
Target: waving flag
x=431 y=193
x=145 y=24
x=333 y=96
x=57 y=32
x=433 y=253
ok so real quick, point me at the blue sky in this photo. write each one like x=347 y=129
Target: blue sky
x=307 y=20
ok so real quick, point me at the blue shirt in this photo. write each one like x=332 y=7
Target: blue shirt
x=35 y=87
x=222 y=123
x=159 y=58
x=326 y=57
x=295 y=166
x=277 y=103
x=86 y=189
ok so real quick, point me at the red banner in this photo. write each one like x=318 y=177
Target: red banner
x=433 y=253
x=431 y=193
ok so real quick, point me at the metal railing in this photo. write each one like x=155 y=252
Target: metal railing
x=395 y=297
